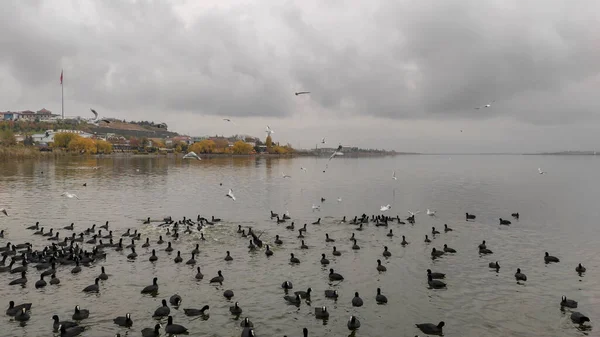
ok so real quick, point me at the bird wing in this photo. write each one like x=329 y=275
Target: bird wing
x=95 y=113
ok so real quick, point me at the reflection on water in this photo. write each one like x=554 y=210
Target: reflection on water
x=558 y=215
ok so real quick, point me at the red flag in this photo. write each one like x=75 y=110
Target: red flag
x=61 y=74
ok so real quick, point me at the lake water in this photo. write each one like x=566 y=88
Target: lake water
x=559 y=214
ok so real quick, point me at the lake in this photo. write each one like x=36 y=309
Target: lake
x=558 y=214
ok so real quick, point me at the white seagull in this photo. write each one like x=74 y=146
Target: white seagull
x=323 y=141
x=394 y=176
x=269 y=131
x=70 y=195
x=3 y=210
x=415 y=213
x=228 y=120
x=230 y=194
x=430 y=212
x=339 y=199
x=485 y=106
x=540 y=171
x=385 y=208
x=337 y=152
x=191 y=155
x=303 y=169
x=316 y=207
x=285 y=175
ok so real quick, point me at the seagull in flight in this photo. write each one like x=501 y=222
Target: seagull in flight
x=339 y=199
x=230 y=194
x=70 y=195
x=385 y=208
x=485 y=106
x=323 y=140
x=540 y=171
x=269 y=131
x=228 y=120
x=3 y=210
x=337 y=152
x=96 y=120
x=191 y=155
x=415 y=213
x=316 y=207
x=430 y=212
x=285 y=175
x=394 y=176
x=303 y=169
x=302 y=93
x=95 y=113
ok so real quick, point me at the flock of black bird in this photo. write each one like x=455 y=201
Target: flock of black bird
x=68 y=255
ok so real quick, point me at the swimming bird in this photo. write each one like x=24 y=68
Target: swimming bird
x=334 y=276
x=22 y=315
x=504 y=222
x=331 y=294
x=293 y=299
x=124 y=320
x=191 y=155
x=15 y=309
x=448 y=249
x=470 y=216
x=380 y=267
x=69 y=195
x=321 y=312
x=71 y=332
x=434 y=231
x=447 y=229
x=404 y=242
x=431 y=329
x=324 y=260
x=353 y=323
x=246 y=323
x=293 y=259
x=217 y=279
x=540 y=171
x=172 y=328
x=152 y=332
x=228 y=257
x=381 y=299
x=303 y=93
x=357 y=301
x=196 y=312
x=436 y=253
x=435 y=284
x=230 y=194
x=579 y=318
x=515 y=215
x=565 y=302
x=228 y=294
x=430 y=212
x=435 y=275
x=163 y=310
x=494 y=265
x=427 y=240
x=304 y=294
x=40 y=283
x=80 y=314
x=235 y=309
x=385 y=208
x=549 y=258
x=520 y=276
x=386 y=252
x=3 y=210
x=153 y=288
x=336 y=252
x=57 y=323
x=580 y=269
x=21 y=280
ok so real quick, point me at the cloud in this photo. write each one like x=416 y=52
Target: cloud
x=385 y=60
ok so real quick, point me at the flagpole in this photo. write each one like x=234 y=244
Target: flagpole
x=62 y=95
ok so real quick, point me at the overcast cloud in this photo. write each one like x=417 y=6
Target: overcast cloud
x=402 y=75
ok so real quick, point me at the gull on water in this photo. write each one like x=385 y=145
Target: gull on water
x=285 y=175
x=394 y=176
x=191 y=155
x=430 y=212
x=230 y=194
x=540 y=171
x=70 y=195
x=3 y=210
x=316 y=207
x=385 y=208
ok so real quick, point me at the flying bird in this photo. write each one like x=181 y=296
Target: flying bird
x=230 y=194
x=70 y=195
x=302 y=93
x=394 y=176
x=303 y=169
x=485 y=106
x=191 y=155
x=95 y=113
x=337 y=152
x=415 y=213
x=339 y=199
x=385 y=208
x=269 y=131
x=540 y=171
x=430 y=212
x=228 y=120
x=323 y=141
x=316 y=207
x=285 y=175
x=3 y=210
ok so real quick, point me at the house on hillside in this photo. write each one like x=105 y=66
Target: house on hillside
x=48 y=136
x=45 y=115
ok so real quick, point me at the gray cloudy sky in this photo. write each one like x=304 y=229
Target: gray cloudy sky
x=402 y=75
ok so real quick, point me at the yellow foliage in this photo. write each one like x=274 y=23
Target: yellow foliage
x=204 y=146
x=80 y=144
x=278 y=150
x=62 y=139
x=158 y=143
x=269 y=142
x=103 y=146
x=242 y=148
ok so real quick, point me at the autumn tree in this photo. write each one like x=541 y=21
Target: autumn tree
x=103 y=146
x=134 y=142
x=7 y=138
x=81 y=144
x=269 y=142
x=203 y=146
x=241 y=147
x=63 y=139
x=221 y=144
